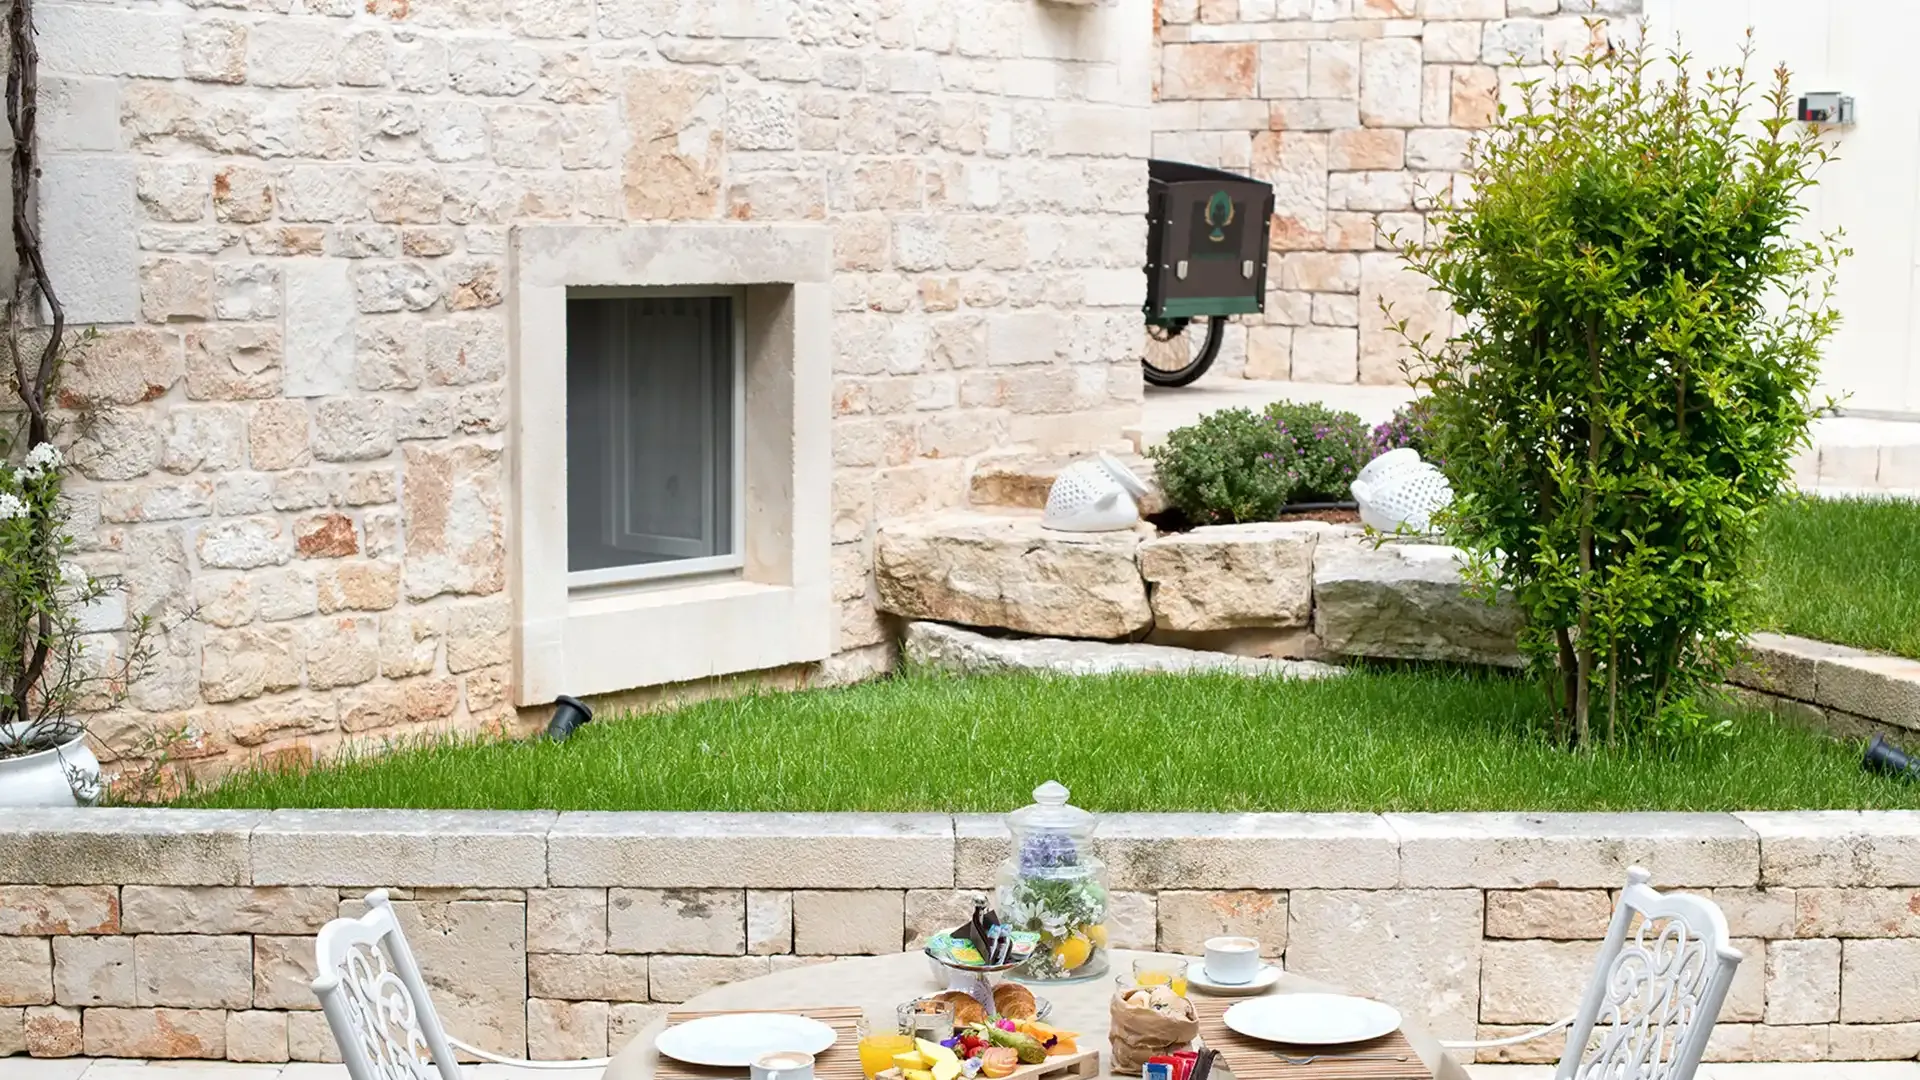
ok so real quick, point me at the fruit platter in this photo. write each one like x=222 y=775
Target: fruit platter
x=993 y=1044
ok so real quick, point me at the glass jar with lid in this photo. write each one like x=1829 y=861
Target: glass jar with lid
x=1054 y=886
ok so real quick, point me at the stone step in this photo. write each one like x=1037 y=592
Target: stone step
x=954 y=648
x=1021 y=479
x=1853 y=682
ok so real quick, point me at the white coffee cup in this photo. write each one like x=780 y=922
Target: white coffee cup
x=783 y=1065
x=1232 y=961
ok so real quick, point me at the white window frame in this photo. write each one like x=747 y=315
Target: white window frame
x=737 y=483
x=776 y=608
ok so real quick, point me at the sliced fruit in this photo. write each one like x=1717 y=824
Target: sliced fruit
x=917 y=1074
x=912 y=1059
x=999 y=1061
x=947 y=1069
x=935 y=1053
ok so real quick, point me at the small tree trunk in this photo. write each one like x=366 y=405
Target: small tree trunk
x=1582 y=709
x=1569 y=686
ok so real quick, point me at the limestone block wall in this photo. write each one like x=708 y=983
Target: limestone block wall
x=1360 y=113
x=288 y=222
x=189 y=934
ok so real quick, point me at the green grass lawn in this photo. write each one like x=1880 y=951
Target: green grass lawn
x=1843 y=570
x=1373 y=741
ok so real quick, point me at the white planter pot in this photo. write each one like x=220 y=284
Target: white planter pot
x=67 y=775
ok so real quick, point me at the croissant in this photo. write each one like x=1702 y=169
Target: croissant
x=1015 y=1002
x=965 y=1009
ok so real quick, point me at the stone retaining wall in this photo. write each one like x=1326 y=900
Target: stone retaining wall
x=156 y=933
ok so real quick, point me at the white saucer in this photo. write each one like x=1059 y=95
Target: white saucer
x=1262 y=981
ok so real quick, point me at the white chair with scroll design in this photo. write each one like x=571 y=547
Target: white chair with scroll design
x=1655 y=993
x=377 y=1006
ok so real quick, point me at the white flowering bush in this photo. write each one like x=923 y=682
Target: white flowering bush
x=50 y=666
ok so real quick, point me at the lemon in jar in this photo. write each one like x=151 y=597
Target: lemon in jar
x=1097 y=933
x=1072 y=951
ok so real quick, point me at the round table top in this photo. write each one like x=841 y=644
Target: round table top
x=878 y=984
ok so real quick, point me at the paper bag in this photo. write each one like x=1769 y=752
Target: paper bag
x=1139 y=1032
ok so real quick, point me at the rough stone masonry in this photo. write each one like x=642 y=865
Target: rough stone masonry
x=288 y=221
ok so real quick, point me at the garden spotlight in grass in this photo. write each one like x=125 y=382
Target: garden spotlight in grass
x=1886 y=758
x=568 y=716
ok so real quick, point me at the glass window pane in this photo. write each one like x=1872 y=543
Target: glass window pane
x=649 y=430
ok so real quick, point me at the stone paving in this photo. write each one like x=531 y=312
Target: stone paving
x=120 y=1069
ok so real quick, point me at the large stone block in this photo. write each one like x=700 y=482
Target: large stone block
x=677 y=978
x=283 y=973
x=383 y=848
x=1553 y=914
x=1225 y=577
x=677 y=921
x=770 y=922
x=1147 y=852
x=1009 y=572
x=1803 y=981
x=567 y=920
x=90 y=971
x=955 y=648
x=1407 y=601
x=566 y=1030
x=29 y=910
x=193 y=971
x=1855 y=913
x=110 y=845
x=155 y=1033
x=1761 y=913
x=1189 y=918
x=1573 y=851
x=257 y=1036
x=1838 y=848
x=1880 y=981
x=588 y=976
x=846 y=922
x=87 y=211
x=755 y=851
x=473 y=955
x=1533 y=982
x=454 y=526
x=1417 y=949
x=26 y=971
x=168 y=909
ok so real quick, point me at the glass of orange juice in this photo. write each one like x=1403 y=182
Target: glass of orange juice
x=878 y=1047
x=1157 y=971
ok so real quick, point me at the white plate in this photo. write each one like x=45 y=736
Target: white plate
x=735 y=1039
x=1313 y=1019
x=1262 y=981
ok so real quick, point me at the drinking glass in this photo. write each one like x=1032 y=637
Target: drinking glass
x=1155 y=971
x=878 y=1047
x=929 y=1020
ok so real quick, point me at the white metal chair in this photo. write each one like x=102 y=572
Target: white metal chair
x=377 y=1005
x=1656 y=990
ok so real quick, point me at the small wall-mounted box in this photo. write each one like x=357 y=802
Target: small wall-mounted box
x=1826 y=107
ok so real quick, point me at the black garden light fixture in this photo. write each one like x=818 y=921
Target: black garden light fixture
x=569 y=714
x=1887 y=759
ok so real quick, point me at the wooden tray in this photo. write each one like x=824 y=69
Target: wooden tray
x=841 y=1061
x=1257 y=1059
x=1084 y=1065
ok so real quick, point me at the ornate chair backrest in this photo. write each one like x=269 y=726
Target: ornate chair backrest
x=376 y=1003
x=1656 y=989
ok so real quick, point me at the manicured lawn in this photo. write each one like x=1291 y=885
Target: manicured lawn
x=1379 y=740
x=1843 y=570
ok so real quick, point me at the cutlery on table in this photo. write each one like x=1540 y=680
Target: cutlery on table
x=1291 y=1060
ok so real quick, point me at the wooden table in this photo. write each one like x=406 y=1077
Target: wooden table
x=880 y=983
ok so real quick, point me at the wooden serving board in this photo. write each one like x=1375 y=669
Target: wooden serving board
x=841 y=1061
x=1257 y=1059
x=1084 y=1065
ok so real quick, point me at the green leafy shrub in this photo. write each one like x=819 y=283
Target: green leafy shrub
x=1237 y=465
x=1320 y=450
x=1635 y=372
x=1218 y=470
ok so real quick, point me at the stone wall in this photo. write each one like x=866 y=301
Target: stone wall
x=1359 y=112
x=289 y=222
x=153 y=933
